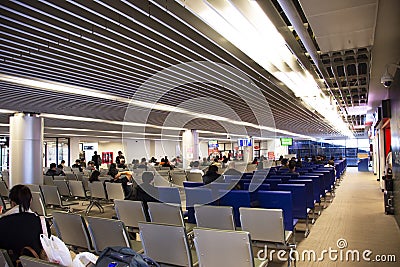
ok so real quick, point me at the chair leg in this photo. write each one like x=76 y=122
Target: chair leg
x=89 y=207
x=307 y=228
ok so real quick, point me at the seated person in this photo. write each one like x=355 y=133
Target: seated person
x=231 y=169
x=20 y=227
x=53 y=171
x=126 y=180
x=121 y=164
x=299 y=164
x=77 y=165
x=94 y=177
x=90 y=166
x=205 y=162
x=292 y=167
x=60 y=170
x=285 y=164
x=143 y=164
x=146 y=192
x=211 y=175
x=195 y=168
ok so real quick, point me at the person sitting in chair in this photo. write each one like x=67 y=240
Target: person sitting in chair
x=20 y=227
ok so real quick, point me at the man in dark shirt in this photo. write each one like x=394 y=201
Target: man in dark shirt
x=146 y=192
x=96 y=159
x=119 y=158
x=53 y=171
x=77 y=165
x=211 y=175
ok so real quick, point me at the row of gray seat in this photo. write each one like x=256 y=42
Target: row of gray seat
x=167 y=227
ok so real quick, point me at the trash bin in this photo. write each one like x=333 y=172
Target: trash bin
x=363 y=165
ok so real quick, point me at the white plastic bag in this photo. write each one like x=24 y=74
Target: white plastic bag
x=56 y=250
x=83 y=259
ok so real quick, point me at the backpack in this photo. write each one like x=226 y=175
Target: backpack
x=123 y=257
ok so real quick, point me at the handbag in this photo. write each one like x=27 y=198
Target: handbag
x=56 y=250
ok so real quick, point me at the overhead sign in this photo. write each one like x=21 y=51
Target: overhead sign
x=244 y=142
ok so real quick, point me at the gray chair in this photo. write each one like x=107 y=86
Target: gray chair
x=38 y=206
x=215 y=217
x=224 y=248
x=34 y=187
x=77 y=189
x=3 y=205
x=5 y=259
x=5 y=176
x=130 y=213
x=107 y=232
x=115 y=191
x=166 y=244
x=3 y=189
x=34 y=262
x=160 y=180
x=52 y=196
x=194 y=177
x=63 y=188
x=165 y=213
x=97 y=193
x=177 y=179
x=48 y=180
x=70 y=176
x=71 y=228
x=266 y=227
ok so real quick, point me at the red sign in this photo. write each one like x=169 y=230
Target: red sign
x=271 y=155
x=107 y=157
x=256 y=147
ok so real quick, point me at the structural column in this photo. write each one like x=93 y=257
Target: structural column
x=190 y=145
x=26 y=149
x=248 y=151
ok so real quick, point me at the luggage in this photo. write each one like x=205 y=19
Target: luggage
x=123 y=257
x=388 y=198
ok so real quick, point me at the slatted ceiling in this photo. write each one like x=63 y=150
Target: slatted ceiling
x=112 y=60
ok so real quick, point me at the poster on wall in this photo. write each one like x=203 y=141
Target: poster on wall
x=271 y=155
x=107 y=157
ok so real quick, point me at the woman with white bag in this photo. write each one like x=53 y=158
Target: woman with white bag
x=20 y=228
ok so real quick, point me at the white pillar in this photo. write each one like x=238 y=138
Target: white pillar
x=152 y=151
x=26 y=149
x=190 y=145
x=248 y=152
x=74 y=150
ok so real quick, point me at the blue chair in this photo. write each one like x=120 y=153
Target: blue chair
x=316 y=187
x=230 y=178
x=192 y=184
x=216 y=187
x=253 y=195
x=273 y=183
x=299 y=198
x=279 y=200
x=201 y=196
x=310 y=188
x=235 y=199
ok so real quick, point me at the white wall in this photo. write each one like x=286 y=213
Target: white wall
x=136 y=149
x=166 y=148
x=203 y=149
x=275 y=146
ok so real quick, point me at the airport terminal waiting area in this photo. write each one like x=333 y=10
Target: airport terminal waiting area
x=236 y=216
